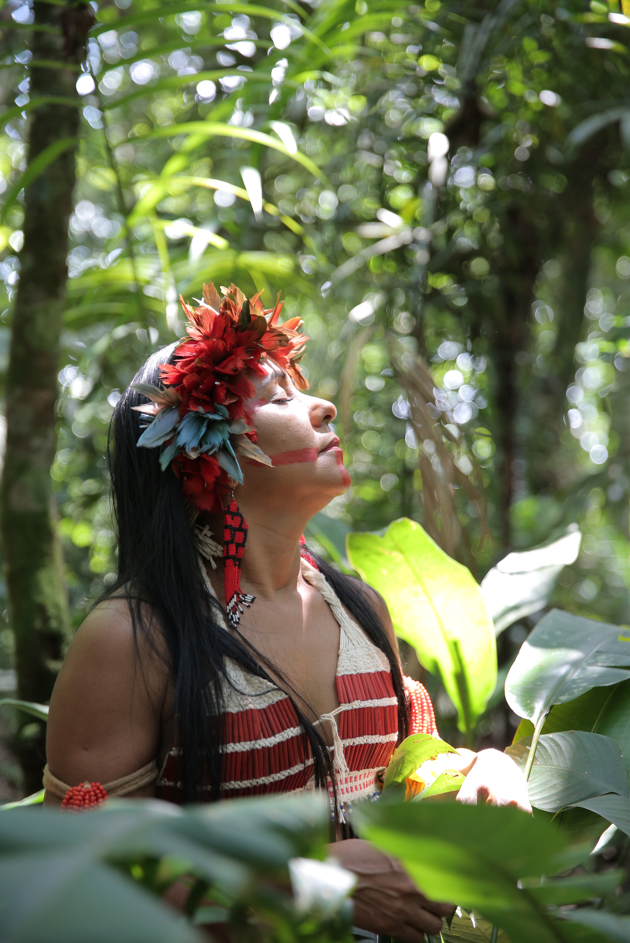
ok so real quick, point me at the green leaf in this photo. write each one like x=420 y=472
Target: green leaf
x=473 y=855
x=253 y=185
x=579 y=887
x=600 y=710
x=447 y=782
x=54 y=896
x=437 y=607
x=35 y=799
x=37 y=710
x=408 y=757
x=571 y=766
x=215 y=129
x=522 y=583
x=614 y=808
x=565 y=656
x=331 y=534
x=595 y=123
x=463 y=930
x=611 y=926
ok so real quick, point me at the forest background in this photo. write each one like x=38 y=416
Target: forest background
x=441 y=191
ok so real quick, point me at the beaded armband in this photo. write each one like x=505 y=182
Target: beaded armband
x=84 y=796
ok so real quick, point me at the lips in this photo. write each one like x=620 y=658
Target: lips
x=333 y=444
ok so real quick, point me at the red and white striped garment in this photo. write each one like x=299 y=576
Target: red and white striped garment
x=264 y=748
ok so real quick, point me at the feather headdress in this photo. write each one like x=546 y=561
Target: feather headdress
x=199 y=420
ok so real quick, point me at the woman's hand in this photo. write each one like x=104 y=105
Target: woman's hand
x=385 y=899
x=493 y=778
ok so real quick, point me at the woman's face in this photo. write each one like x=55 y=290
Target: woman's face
x=294 y=430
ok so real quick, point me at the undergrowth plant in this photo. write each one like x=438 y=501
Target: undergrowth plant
x=514 y=877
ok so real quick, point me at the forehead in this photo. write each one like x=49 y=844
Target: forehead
x=273 y=374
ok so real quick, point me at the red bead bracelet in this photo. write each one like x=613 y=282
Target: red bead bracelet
x=84 y=796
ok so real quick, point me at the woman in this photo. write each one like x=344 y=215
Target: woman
x=211 y=672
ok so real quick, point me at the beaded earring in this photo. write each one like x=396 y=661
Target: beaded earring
x=234 y=540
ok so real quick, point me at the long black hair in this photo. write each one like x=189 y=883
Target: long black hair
x=159 y=574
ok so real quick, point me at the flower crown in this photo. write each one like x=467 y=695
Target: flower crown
x=199 y=421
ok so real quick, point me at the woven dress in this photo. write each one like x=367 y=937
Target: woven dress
x=264 y=748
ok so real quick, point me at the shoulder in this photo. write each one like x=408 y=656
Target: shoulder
x=109 y=647
x=109 y=698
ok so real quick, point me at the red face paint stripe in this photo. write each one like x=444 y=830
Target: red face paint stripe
x=345 y=474
x=294 y=457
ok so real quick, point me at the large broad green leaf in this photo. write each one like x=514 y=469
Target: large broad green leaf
x=571 y=766
x=565 y=656
x=57 y=883
x=474 y=856
x=522 y=583
x=63 y=897
x=600 y=710
x=615 y=809
x=437 y=607
x=222 y=839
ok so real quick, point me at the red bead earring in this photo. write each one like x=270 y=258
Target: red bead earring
x=234 y=540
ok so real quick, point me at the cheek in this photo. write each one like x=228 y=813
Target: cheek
x=294 y=457
x=283 y=430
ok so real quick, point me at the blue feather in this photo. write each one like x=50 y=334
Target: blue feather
x=214 y=437
x=168 y=454
x=191 y=430
x=230 y=465
x=160 y=429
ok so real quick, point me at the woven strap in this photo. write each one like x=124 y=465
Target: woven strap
x=119 y=787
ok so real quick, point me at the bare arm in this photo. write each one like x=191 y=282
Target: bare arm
x=105 y=711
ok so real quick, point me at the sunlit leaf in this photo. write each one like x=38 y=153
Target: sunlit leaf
x=436 y=606
x=473 y=855
x=214 y=129
x=35 y=799
x=410 y=755
x=253 y=185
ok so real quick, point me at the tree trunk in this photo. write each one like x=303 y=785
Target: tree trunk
x=32 y=555
x=517 y=279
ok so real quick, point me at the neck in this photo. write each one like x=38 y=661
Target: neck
x=271 y=563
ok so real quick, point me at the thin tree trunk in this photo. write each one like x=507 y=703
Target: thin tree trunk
x=32 y=555
x=517 y=280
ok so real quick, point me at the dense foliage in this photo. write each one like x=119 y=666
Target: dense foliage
x=439 y=189
x=290 y=148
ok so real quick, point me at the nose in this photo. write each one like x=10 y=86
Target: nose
x=322 y=411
